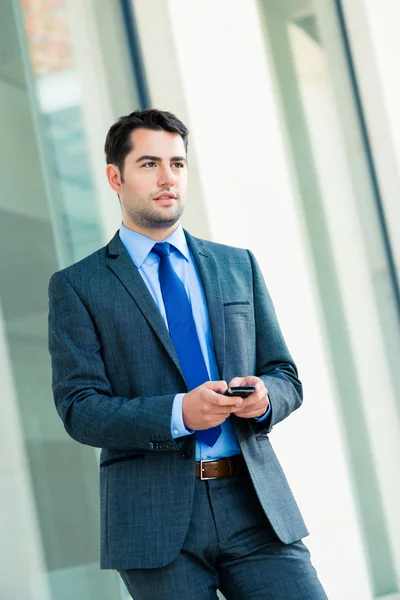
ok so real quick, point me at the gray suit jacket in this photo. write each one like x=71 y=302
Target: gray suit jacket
x=115 y=376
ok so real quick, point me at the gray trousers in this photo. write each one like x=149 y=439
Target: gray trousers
x=230 y=546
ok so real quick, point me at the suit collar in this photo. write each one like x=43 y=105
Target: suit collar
x=120 y=263
x=207 y=266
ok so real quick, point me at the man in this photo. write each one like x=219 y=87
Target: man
x=145 y=336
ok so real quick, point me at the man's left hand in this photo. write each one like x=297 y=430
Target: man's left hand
x=255 y=405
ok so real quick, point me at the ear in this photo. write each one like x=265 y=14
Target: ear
x=114 y=177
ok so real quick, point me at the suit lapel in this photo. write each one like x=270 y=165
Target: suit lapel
x=119 y=261
x=207 y=267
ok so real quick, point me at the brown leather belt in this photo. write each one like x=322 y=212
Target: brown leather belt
x=213 y=469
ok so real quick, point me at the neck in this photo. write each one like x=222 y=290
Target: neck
x=156 y=234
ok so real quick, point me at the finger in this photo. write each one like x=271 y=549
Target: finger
x=251 y=400
x=256 y=381
x=215 y=409
x=252 y=415
x=254 y=410
x=221 y=400
x=255 y=398
x=264 y=400
x=236 y=381
x=216 y=386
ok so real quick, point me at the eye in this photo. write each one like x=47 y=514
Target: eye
x=148 y=165
x=178 y=165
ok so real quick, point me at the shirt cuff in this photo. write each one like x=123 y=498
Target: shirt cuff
x=178 y=428
x=265 y=415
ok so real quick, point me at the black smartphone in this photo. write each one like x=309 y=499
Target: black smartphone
x=243 y=391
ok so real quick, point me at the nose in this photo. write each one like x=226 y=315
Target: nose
x=166 y=177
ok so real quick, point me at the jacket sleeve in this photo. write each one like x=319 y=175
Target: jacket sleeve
x=82 y=392
x=274 y=364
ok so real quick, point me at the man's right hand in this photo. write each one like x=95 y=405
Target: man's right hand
x=206 y=407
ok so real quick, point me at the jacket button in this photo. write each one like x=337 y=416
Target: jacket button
x=151 y=445
x=188 y=454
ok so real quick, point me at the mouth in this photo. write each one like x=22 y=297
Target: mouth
x=165 y=196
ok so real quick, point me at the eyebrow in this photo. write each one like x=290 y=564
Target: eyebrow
x=158 y=159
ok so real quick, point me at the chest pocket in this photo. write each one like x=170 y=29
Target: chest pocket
x=238 y=309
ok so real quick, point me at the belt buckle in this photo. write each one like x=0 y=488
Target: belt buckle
x=201 y=470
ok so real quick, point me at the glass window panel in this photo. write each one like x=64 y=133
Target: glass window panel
x=58 y=88
x=49 y=498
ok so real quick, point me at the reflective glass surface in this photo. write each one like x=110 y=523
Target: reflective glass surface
x=49 y=484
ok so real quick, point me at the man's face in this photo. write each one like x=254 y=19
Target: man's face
x=153 y=190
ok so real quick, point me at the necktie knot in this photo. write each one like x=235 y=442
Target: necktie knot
x=162 y=249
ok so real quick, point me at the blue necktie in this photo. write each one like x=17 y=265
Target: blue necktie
x=182 y=330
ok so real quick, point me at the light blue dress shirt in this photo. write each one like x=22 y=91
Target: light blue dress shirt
x=139 y=249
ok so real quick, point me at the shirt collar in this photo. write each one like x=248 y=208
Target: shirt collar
x=139 y=246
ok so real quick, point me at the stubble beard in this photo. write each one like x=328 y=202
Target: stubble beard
x=148 y=217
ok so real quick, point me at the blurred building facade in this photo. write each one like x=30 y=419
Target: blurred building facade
x=294 y=152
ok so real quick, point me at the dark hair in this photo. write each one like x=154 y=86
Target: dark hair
x=119 y=141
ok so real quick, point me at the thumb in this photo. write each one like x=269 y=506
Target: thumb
x=216 y=386
x=237 y=381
